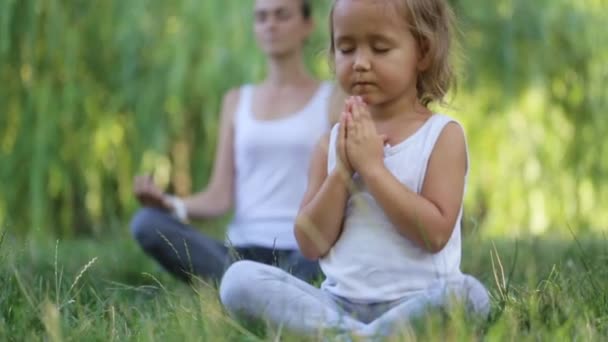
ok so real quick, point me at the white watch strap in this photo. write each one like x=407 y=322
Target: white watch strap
x=179 y=208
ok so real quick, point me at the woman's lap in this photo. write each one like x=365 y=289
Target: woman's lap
x=184 y=251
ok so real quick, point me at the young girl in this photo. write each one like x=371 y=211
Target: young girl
x=384 y=201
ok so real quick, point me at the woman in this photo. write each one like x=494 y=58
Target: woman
x=267 y=135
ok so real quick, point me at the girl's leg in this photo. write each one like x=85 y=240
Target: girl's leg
x=471 y=292
x=259 y=291
x=179 y=248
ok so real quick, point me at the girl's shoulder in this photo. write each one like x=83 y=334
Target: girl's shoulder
x=447 y=137
x=440 y=117
x=438 y=123
x=436 y=130
x=446 y=122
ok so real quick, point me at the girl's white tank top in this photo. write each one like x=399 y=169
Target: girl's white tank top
x=372 y=261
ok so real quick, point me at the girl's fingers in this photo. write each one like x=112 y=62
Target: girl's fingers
x=341 y=145
x=355 y=110
x=365 y=113
x=358 y=125
x=365 y=127
x=363 y=109
x=366 y=118
x=342 y=130
x=351 y=125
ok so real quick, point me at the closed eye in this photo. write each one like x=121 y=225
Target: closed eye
x=381 y=50
x=260 y=16
x=282 y=14
x=346 y=51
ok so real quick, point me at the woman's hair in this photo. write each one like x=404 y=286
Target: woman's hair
x=306 y=9
x=431 y=22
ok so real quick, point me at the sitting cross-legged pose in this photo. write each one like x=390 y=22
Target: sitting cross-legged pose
x=385 y=194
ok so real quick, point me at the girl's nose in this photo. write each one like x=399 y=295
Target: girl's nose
x=362 y=62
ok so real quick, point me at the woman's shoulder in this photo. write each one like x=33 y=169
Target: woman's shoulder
x=232 y=95
x=230 y=101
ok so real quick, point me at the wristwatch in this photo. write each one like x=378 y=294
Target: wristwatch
x=178 y=208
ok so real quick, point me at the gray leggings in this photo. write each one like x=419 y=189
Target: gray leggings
x=258 y=291
x=185 y=252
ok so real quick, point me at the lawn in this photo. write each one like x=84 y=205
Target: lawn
x=107 y=290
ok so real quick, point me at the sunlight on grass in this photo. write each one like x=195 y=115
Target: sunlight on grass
x=541 y=289
x=50 y=319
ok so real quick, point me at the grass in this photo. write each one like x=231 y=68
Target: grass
x=85 y=290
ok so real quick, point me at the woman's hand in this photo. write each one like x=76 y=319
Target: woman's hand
x=149 y=194
x=364 y=146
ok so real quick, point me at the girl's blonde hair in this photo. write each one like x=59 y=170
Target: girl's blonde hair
x=432 y=24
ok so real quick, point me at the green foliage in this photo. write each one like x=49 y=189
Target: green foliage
x=532 y=96
x=96 y=92
x=106 y=290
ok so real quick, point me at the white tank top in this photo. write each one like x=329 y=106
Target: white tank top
x=372 y=261
x=271 y=169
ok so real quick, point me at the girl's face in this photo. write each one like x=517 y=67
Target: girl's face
x=376 y=56
x=280 y=27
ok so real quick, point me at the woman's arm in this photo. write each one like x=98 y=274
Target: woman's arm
x=217 y=198
x=319 y=222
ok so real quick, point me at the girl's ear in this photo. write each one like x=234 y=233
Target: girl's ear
x=424 y=57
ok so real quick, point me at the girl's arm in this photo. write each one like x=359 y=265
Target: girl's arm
x=319 y=221
x=427 y=219
x=217 y=198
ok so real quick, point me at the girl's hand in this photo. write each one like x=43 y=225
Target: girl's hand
x=343 y=164
x=149 y=194
x=364 y=146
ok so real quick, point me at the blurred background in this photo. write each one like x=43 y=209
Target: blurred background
x=95 y=92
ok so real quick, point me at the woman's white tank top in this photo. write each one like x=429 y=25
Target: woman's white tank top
x=271 y=169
